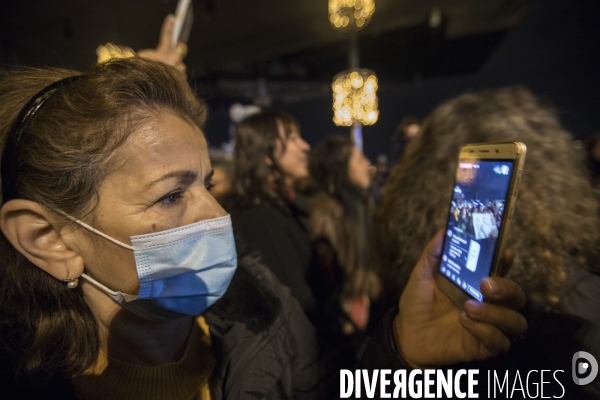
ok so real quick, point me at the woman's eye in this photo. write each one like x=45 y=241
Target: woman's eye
x=170 y=199
x=209 y=185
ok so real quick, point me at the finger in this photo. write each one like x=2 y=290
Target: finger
x=146 y=53
x=510 y=322
x=504 y=292
x=166 y=32
x=181 y=67
x=181 y=50
x=506 y=262
x=430 y=258
x=492 y=342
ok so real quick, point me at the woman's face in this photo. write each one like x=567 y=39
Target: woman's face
x=293 y=159
x=358 y=169
x=160 y=183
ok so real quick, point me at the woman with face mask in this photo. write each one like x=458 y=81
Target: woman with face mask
x=119 y=274
x=112 y=247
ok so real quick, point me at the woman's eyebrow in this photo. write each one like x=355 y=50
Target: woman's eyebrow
x=184 y=177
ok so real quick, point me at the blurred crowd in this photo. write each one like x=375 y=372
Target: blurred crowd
x=343 y=234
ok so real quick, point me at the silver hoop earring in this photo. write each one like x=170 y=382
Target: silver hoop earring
x=72 y=283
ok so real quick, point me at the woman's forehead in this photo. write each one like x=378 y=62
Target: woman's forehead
x=286 y=129
x=166 y=141
x=290 y=127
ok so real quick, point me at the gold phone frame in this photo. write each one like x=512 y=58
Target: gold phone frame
x=513 y=151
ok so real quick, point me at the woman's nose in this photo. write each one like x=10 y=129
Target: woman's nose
x=205 y=207
x=304 y=144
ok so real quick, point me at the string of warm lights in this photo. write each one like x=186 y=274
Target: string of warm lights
x=355 y=97
x=355 y=90
x=350 y=14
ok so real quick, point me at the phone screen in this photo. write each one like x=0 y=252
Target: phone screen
x=474 y=222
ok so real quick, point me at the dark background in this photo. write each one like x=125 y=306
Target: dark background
x=284 y=53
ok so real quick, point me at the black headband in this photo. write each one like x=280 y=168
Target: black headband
x=10 y=155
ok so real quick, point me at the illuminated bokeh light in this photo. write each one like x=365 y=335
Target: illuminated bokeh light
x=347 y=15
x=355 y=97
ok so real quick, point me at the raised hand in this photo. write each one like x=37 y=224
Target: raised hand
x=432 y=331
x=165 y=52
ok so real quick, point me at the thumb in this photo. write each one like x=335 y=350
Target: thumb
x=430 y=258
x=166 y=32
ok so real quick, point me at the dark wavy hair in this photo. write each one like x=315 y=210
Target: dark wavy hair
x=255 y=141
x=328 y=163
x=555 y=219
x=68 y=151
x=342 y=214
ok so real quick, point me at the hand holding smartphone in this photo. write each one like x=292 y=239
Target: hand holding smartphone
x=483 y=200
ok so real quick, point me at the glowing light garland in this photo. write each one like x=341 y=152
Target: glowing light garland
x=350 y=14
x=355 y=97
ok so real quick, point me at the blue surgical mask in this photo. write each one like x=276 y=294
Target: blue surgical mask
x=182 y=271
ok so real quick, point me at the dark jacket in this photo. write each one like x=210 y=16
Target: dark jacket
x=340 y=231
x=280 y=239
x=263 y=343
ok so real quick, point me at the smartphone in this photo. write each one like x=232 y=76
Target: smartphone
x=482 y=205
x=184 y=19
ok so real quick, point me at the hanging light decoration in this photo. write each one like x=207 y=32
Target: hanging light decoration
x=355 y=97
x=349 y=15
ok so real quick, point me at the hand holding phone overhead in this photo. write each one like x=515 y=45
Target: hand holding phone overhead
x=165 y=52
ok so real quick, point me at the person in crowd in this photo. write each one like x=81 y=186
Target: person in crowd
x=341 y=215
x=592 y=149
x=111 y=247
x=380 y=171
x=406 y=131
x=554 y=231
x=221 y=179
x=119 y=272
x=269 y=216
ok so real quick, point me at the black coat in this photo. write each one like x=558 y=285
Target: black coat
x=281 y=241
x=264 y=345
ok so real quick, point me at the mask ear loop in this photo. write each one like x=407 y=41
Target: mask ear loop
x=97 y=232
x=98 y=284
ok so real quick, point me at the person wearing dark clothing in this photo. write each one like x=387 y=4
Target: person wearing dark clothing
x=268 y=216
x=260 y=340
x=281 y=242
x=341 y=221
x=119 y=270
